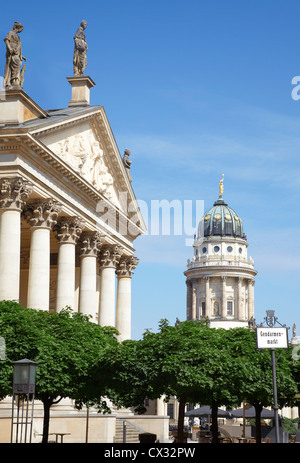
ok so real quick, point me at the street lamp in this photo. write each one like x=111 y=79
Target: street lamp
x=23 y=388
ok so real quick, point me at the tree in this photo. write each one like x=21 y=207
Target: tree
x=66 y=346
x=197 y=364
x=189 y=361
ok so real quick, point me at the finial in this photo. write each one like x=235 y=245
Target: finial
x=221 y=187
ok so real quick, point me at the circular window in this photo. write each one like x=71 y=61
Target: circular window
x=229 y=249
x=240 y=250
x=216 y=249
x=204 y=250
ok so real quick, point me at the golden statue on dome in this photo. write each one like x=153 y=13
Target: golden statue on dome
x=221 y=187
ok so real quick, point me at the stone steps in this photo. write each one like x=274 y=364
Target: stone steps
x=132 y=434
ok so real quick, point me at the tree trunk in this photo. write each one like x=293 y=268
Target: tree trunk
x=214 y=423
x=182 y=402
x=47 y=404
x=258 y=408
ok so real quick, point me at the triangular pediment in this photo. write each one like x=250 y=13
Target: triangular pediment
x=79 y=147
x=88 y=146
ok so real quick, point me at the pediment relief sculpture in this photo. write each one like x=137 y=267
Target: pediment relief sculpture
x=84 y=154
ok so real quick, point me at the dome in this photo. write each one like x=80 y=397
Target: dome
x=221 y=220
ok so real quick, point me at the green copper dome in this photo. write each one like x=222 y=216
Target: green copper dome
x=221 y=220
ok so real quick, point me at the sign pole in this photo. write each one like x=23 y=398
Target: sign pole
x=272 y=338
x=275 y=406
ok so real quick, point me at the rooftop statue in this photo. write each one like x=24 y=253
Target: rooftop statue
x=221 y=186
x=127 y=162
x=13 y=74
x=80 y=49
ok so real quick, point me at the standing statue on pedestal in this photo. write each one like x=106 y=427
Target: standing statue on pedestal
x=80 y=59
x=13 y=74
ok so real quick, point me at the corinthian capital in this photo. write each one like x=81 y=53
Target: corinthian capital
x=14 y=192
x=126 y=266
x=42 y=213
x=110 y=256
x=91 y=243
x=69 y=229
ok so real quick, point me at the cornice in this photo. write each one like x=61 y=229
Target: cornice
x=21 y=143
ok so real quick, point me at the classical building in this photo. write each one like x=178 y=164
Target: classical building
x=68 y=212
x=220 y=277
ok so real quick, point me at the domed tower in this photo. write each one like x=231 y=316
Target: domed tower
x=220 y=277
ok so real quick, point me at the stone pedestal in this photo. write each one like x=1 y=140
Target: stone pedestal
x=80 y=90
x=16 y=107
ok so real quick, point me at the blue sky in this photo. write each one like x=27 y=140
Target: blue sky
x=194 y=89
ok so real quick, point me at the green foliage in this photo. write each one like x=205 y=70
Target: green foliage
x=204 y=364
x=291 y=425
x=66 y=346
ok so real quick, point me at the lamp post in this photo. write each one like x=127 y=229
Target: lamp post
x=23 y=388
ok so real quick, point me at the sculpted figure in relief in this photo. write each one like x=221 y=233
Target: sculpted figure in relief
x=13 y=74
x=85 y=155
x=80 y=49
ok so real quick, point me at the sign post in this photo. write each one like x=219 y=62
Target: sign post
x=272 y=338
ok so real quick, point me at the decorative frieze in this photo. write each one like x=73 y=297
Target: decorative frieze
x=42 y=213
x=126 y=266
x=69 y=229
x=110 y=256
x=84 y=153
x=14 y=192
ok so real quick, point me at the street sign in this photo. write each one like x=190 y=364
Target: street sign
x=271 y=338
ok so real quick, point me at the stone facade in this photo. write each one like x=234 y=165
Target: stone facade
x=68 y=213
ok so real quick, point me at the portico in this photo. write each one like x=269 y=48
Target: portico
x=68 y=213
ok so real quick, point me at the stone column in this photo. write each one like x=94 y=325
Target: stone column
x=207 y=298
x=251 y=299
x=123 y=307
x=224 y=298
x=239 y=298
x=188 y=299
x=13 y=194
x=42 y=216
x=194 y=299
x=68 y=232
x=90 y=243
x=109 y=259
